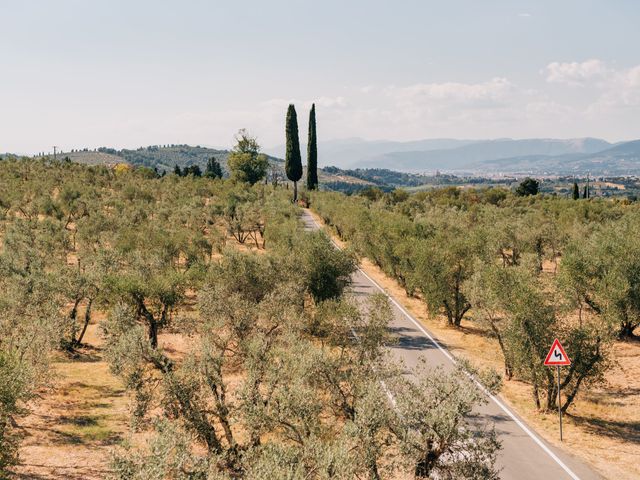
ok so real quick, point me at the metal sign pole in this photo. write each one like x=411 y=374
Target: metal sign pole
x=555 y=358
x=559 y=402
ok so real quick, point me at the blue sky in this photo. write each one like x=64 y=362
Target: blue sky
x=88 y=73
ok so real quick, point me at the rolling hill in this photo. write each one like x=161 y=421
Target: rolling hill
x=528 y=156
x=525 y=156
x=165 y=158
x=453 y=155
x=353 y=152
x=160 y=157
x=621 y=159
x=475 y=155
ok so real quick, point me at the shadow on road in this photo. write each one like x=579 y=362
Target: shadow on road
x=410 y=339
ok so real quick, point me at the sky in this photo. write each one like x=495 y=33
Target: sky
x=91 y=73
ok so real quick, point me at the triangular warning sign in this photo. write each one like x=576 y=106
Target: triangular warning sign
x=557 y=355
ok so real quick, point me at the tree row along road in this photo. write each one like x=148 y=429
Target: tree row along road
x=524 y=455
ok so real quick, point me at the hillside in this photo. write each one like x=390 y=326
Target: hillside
x=621 y=159
x=353 y=152
x=165 y=158
x=91 y=157
x=442 y=153
x=528 y=156
x=353 y=180
x=154 y=156
x=534 y=156
x=474 y=156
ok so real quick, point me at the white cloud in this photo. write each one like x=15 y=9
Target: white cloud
x=575 y=73
x=616 y=89
x=495 y=107
x=328 y=102
x=620 y=91
x=493 y=91
x=525 y=15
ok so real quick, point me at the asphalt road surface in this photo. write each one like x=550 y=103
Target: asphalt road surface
x=524 y=455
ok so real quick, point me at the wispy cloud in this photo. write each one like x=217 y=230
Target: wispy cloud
x=494 y=107
x=575 y=73
x=525 y=15
x=493 y=92
x=618 y=88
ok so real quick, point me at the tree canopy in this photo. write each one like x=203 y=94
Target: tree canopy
x=245 y=161
x=312 y=152
x=529 y=186
x=293 y=160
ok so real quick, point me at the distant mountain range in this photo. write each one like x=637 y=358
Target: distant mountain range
x=352 y=152
x=534 y=156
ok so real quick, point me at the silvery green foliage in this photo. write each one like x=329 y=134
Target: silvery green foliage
x=169 y=455
x=313 y=397
x=15 y=379
x=31 y=324
x=525 y=315
x=433 y=428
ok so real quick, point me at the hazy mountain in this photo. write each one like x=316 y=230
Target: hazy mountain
x=474 y=155
x=623 y=149
x=447 y=154
x=621 y=159
x=349 y=152
x=534 y=156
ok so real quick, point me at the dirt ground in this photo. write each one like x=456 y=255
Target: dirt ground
x=77 y=421
x=74 y=422
x=602 y=426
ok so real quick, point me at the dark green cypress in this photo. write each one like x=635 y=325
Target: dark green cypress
x=576 y=191
x=293 y=160
x=585 y=192
x=312 y=152
x=214 y=170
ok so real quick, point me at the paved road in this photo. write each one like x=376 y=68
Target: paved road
x=524 y=455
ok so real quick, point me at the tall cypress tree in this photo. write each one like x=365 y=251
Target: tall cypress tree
x=293 y=160
x=214 y=170
x=576 y=191
x=312 y=152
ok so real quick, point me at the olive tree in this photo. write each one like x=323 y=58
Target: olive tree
x=601 y=273
x=245 y=161
x=444 y=262
x=434 y=434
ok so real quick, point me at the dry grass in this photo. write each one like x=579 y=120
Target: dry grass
x=76 y=420
x=602 y=426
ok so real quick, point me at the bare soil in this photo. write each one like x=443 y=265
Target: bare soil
x=76 y=420
x=602 y=426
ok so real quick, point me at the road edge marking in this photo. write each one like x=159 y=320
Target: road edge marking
x=452 y=359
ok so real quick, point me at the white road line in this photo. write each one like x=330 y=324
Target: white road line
x=499 y=403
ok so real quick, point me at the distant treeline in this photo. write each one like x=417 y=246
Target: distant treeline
x=383 y=176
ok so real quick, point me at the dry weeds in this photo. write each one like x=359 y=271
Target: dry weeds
x=602 y=426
